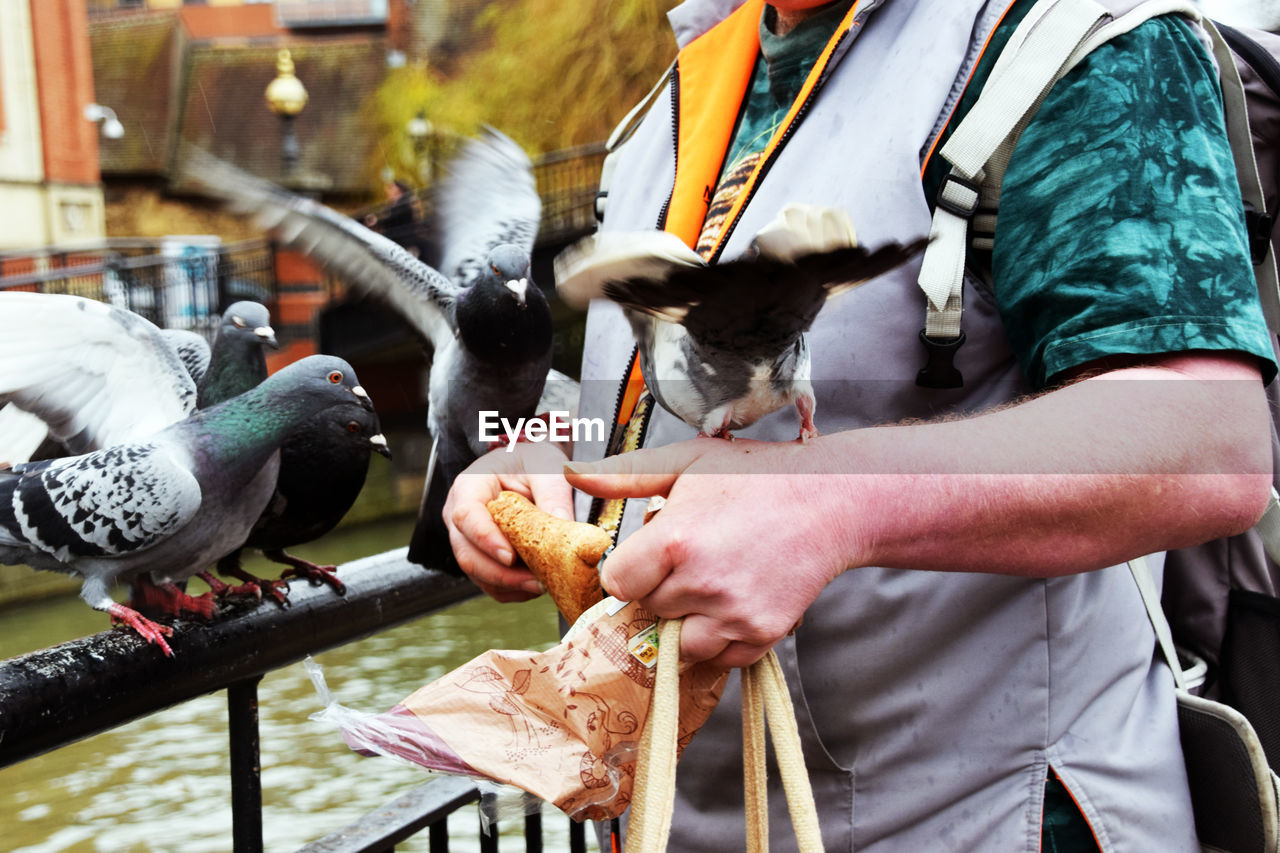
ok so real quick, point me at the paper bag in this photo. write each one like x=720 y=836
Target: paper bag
x=563 y=724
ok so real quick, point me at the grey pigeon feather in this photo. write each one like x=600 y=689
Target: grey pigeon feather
x=192 y=349
x=487 y=324
x=236 y=364
x=98 y=375
x=170 y=504
x=722 y=345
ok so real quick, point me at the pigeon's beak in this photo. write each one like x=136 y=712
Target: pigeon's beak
x=268 y=336
x=379 y=443
x=519 y=286
x=363 y=396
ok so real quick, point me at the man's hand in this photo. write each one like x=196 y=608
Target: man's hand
x=1085 y=477
x=705 y=556
x=533 y=470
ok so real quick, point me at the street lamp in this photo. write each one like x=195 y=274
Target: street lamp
x=286 y=96
x=111 y=126
x=420 y=131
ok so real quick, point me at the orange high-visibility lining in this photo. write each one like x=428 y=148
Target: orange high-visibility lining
x=1076 y=802
x=812 y=80
x=631 y=395
x=715 y=70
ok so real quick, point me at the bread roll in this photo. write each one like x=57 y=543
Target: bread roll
x=562 y=554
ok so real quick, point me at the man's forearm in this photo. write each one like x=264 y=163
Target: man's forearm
x=1134 y=461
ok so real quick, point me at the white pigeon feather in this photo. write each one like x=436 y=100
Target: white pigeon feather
x=97 y=375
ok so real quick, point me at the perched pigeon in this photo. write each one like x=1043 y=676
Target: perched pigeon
x=723 y=345
x=237 y=361
x=169 y=504
x=322 y=469
x=69 y=374
x=487 y=324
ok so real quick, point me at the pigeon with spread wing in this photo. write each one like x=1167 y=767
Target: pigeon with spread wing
x=167 y=505
x=722 y=345
x=472 y=299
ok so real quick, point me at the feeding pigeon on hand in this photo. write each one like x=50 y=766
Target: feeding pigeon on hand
x=722 y=345
x=169 y=504
x=472 y=300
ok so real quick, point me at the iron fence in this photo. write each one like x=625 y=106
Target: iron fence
x=177 y=282
x=56 y=696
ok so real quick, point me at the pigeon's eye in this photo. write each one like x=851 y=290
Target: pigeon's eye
x=494 y=267
x=353 y=427
x=335 y=377
x=239 y=323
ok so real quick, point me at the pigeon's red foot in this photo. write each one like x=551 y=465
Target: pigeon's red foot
x=805 y=406
x=276 y=589
x=168 y=599
x=152 y=632
x=222 y=590
x=301 y=568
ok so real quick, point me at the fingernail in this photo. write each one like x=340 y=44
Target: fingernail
x=579 y=467
x=532 y=587
x=503 y=556
x=561 y=512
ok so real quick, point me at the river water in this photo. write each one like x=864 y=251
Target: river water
x=162 y=783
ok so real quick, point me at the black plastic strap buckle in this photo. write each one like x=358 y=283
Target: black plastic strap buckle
x=1258 y=227
x=939 y=370
x=951 y=206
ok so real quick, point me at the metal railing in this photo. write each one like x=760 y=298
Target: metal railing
x=56 y=696
x=177 y=283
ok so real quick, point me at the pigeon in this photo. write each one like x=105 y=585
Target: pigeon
x=722 y=345
x=471 y=300
x=322 y=470
x=235 y=364
x=171 y=503
x=237 y=361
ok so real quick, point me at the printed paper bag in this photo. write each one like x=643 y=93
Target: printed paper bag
x=563 y=724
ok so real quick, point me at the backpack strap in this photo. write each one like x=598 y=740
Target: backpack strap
x=1053 y=37
x=1235 y=109
x=1141 y=572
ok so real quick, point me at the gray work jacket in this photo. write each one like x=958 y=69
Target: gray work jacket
x=930 y=704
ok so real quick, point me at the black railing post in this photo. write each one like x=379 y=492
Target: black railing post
x=577 y=837
x=489 y=832
x=438 y=836
x=246 y=770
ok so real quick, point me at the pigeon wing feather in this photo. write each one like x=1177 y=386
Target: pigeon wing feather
x=488 y=197
x=583 y=269
x=95 y=374
x=361 y=257
x=109 y=503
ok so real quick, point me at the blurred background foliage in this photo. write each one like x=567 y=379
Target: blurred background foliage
x=549 y=74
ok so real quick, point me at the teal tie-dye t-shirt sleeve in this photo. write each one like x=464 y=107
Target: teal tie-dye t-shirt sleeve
x=1121 y=228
